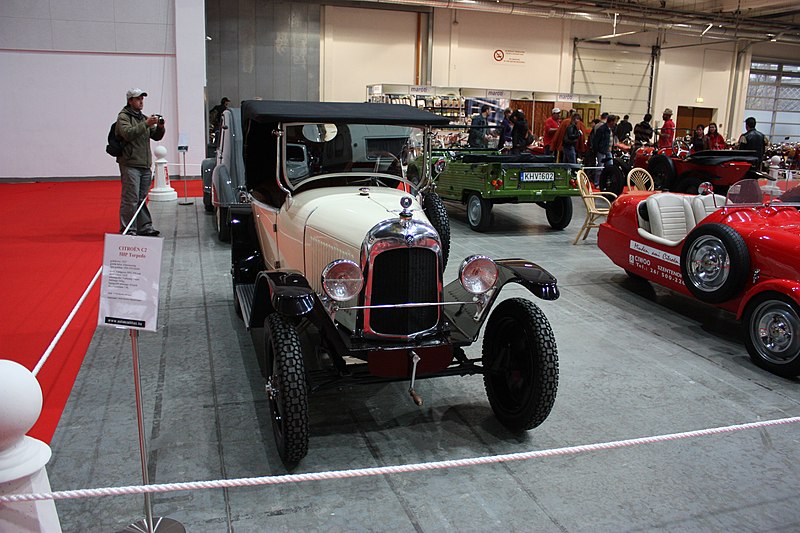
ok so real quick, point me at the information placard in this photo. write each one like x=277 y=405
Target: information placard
x=130 y=282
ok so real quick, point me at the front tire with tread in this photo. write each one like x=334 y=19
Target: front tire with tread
x=287 y=389
x=714 y=263
x=479 y=212
x=520 y=362
x=559 y=212
x=436 y=212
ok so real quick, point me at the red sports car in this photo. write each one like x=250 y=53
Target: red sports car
x=740 y=253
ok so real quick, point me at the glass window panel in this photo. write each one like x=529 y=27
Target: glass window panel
x=784 y=130
x=764 y=66
x=756 y=77
x=789 y=93
x=788 y=117
x=790 y=80
x=766 y=91
x=762 y=117
x=788 y=105
x=763 y=104
x=791 y=68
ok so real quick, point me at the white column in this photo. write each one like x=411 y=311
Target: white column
x=190 y=65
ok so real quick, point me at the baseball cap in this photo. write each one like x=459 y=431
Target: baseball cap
x=135 y=93
x=556 y=110
x=668 y=111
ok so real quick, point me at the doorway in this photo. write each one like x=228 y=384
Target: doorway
x=689 y=117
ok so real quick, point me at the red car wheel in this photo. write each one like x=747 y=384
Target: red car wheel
x=772 y=334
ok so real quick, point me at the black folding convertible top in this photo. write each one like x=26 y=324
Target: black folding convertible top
x=264 y=112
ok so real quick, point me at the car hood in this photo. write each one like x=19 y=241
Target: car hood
x=347 y=213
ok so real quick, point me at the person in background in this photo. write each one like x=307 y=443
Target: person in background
x=550 y=128
x=478 y=133
x=667 y=134
x=624 y=129
x=135 y=163
x=698 y=139
x=519 y=133
x=215 y=115
x=556 y=144
x=572 y=135
x=714 y=141
x=601 y=143
x=643 y=131
x=504 y=131
x=752 y=139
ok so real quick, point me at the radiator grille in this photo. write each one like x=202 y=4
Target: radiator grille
x=404 y=275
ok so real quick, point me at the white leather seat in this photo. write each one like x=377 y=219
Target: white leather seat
x=702 y=206
x=671 y=218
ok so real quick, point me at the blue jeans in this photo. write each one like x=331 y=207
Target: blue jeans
x=569 y=154
x=604 y=159
x=135 y=186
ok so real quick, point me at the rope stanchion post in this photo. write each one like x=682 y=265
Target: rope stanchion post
x=183 y=149
x=23 y=458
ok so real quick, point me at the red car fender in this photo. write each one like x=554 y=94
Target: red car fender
x=786 y=287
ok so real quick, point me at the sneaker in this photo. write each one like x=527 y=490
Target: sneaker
x=149 y=232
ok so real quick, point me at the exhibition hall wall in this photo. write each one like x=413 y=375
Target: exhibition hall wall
x=67 y=65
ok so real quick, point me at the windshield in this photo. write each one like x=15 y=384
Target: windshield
x=315 y=150
x=753 y=192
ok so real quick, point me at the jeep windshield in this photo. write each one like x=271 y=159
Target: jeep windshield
x=349 y=153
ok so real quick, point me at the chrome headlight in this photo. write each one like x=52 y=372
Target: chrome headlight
x=342 y=280
x=478 y=274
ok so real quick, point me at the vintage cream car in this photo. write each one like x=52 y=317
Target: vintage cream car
x=345 y=249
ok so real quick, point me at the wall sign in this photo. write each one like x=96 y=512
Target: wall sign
x=130 y=282
x=509 y=57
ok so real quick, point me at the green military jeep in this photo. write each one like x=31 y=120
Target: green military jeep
x=481 y=180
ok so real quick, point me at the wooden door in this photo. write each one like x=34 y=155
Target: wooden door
x=526 y=106
x=541 y=112
x=689 y=117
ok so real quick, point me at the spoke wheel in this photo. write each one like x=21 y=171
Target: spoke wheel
x=287 y=391
x=479 y=212
x=772 y=324
x=520 y=362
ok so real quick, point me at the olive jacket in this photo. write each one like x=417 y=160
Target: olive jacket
x=133 y=129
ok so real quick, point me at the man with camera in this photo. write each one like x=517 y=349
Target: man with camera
x=136 y=161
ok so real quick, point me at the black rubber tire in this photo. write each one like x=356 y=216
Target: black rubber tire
x=689 y=182
x=559 y=212
x=662 y=169
x=209 y=207
x=206 y=168
x=722 y=263
x=479 y=212
x=614 y=178
x=777 y=318
x=288 y=399
x=436 y=212
x=222 y=223
x=520 y=362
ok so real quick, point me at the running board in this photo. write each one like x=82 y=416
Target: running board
x=245 y=293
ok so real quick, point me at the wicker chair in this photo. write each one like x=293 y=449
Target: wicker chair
x=593 y=213
x=640 y=180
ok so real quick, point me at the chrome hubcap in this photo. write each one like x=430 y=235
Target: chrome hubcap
x=775 y=331
x=474 y=210
x=709 y=264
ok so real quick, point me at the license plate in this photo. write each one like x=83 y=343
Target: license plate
x=537 y=176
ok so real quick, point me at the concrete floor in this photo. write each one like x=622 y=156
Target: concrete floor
x=635 y=361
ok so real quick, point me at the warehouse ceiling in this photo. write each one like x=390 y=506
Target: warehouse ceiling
x=753 y=20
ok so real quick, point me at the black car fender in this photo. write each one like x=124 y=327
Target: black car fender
x=468 y=318
x=286 y=292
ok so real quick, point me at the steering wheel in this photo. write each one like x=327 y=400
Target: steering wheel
x=680 y=148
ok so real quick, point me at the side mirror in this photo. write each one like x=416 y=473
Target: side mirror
x=705 y=188
x=320 y=132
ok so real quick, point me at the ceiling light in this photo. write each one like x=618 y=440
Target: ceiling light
x=706 y=30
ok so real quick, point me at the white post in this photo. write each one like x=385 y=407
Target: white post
x=162 y=192
x=22 y=458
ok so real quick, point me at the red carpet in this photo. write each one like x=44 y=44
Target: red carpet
x=51 y=247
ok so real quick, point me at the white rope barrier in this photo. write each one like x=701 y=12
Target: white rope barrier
x=46 y=355
x=383 y=470
x=66 y=323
